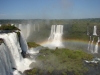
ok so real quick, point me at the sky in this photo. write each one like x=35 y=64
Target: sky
x=49 y=9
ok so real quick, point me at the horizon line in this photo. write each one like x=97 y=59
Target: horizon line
x=49 y=19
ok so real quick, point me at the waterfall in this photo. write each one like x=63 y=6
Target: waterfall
x=34 y=27
x=89 y=44
x=28 y=30
x=25 y=30
x=11 y=60
x=92 y=48
x=55 y=37
x=51 y=37
x=23 y=43
x=96 y=46
x=38 y=28
x=94 y=31
x=98 y=39
x=6 y=60
x=87 y=31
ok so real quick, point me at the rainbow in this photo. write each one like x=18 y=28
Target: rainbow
x=67 y=40
x=71 y=44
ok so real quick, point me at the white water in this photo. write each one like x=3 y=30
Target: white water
x=38 y=28
x=96 y=46
x=10 y=55
x=94 y=31
x=28 y=30
x=89 y=44
x=92 y=47
x=55 y=38
x=25 y=30
x=23 y=43
x=6 y=61
x=34 y=27
x=87 y=31
x=98 y=39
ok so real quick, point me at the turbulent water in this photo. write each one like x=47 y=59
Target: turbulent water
x=11 y=60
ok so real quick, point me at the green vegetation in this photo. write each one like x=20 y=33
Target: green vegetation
x=61 y=61
x=8 y=27
x=32 y=44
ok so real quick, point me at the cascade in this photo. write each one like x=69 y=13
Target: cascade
x=55 y=37
x=87 y=31
x=28 y=30
x=25 y=30
x=98 y=39
x=6 y=60
x=94 y=31
x=38 y=28
x=11 y=59
x=23 y=43
x=92 y=47
x=96 y=46
x=89 y=44
x=34 y=27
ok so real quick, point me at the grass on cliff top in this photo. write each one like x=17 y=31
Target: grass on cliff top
x=63 y=61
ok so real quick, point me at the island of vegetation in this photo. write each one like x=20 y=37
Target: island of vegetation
x=60 y=62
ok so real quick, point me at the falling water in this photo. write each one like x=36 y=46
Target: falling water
x=51 y=37
x=23 y=43
x=38 y=28
x=25 y=30
x=94 y=31
x=87 y=31
x=92 y=46
x=28 y=30
x=6 y=60
x=96 y=46
x=11 y=59
x=55 y=37
x=34 y=27
x=98 y=39
x=89 y=44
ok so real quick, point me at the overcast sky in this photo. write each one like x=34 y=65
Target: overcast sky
x=49 y=9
